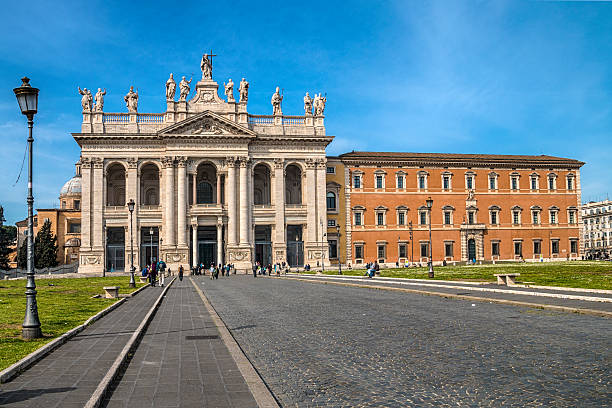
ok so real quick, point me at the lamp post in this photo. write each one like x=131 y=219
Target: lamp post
x=28 y=103
x=338 y=249
x=411 y=243
x=429 y=203
x=130 y=205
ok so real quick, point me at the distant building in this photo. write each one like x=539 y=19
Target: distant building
x=597 y=229
x=65 y=221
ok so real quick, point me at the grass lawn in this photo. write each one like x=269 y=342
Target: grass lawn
x=576 y=274
x=61 y=307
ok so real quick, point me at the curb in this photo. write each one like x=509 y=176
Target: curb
x=263 y=396
x=568 y=309
x=100 y=392
x=13 y=371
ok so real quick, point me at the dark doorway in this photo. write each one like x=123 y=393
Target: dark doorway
x=115 y=249
x=207 y=245
x=471 y=250
x=295 y=245
x=263 y=244
x=149 y=245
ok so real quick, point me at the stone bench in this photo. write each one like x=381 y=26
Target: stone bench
x=506 y=278
x=112 y=292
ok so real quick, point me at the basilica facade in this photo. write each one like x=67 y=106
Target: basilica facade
x=211 y=183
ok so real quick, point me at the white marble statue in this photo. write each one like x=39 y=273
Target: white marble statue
x=319 y=104
x=86 y=100
x=206 y=66
x=308 y=104
x=185 y=89
x=131 y=100
x=99 y=106
x=277 y=99
x=170 y=88
x=229 y=90
x=244 y=90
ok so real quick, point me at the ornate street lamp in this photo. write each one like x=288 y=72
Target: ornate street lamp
x=338 y=249
x=429 y=203
x=411 y=243
x=28 y=103
x=131 y=205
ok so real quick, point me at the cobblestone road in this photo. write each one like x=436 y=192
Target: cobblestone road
x=326 y=345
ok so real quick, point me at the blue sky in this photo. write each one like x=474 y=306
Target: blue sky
x=507 y=77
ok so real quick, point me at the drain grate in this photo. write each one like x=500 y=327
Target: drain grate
x=210 y=337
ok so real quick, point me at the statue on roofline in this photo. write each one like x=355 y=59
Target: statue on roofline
x=185 y=88
x=131 y=100
x=277 y=99
x=99 y=106
x=170 y=88
x=244 y=90
x=86 y=100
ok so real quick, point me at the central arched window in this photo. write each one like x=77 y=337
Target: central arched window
x=331 y=201
x=115 y=185
x=293 y=185
x=205 y=193
x=261 y=185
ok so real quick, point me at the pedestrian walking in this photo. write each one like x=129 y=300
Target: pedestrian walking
x=181 y=272
x=255 y=270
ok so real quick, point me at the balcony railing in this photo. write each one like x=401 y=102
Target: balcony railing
x=261 y=119
x=150 y=118
x=118 y=118
x=124 y=118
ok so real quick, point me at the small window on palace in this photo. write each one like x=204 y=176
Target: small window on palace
x=331 y=201
x=358 y=252
x=331 y=170
x=446 y=182
x=331 y=223
x=495 y=248
x=423 y=218
x=358 y=220
x=333 y=249
x=514 y=183
x=379 y=181
x=570 y=183
x=518 y=248
x=555 y=246
x=571 y=217
x=551 y=183
x=447 y=218
x=492 y=183
x=381 y=251
x=401 y=218
x=448 y=249
x=574 y=246
x=421 y=182
x=400 y=181
x=494 y=217
x=516 y=217
x=537 y=247
x=380 y=218
x=402 y=250
x=534 y=183
x=424 y=250
x=77 y=204
x=75 y=228
x=470 y=217
x=356 y=181
x=553 y=217
x=469 y=182
x=536 y=217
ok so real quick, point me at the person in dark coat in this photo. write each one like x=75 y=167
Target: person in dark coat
x=181 y=272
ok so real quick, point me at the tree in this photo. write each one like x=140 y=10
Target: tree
x=7 y=237
x=22 y=255
x=45 y=247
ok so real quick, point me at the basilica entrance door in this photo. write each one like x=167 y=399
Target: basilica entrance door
x=207 y=253
x=295 y=245
x=263 y=244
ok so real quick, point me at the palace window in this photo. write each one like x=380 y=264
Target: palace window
x=400 y=180
x=535 y=215
x=380 y=218
x=471 y=217
x=469 y=181
x=331 y=201
x=570 y=182
x=380 y=181
x=514 y=182
x=77 y=204
x=424 y=250
x=493 y=181
x=358 y=251
x=423 y=217
x=358 y=218
x=537 y=247
x=555 y=246
x=495 y=248
x=494 y=212
x=382 y=251
x=448 y=217
x=552 y=181
x=331 y=170
x=422 y=180
x=448 y=249
x=402 y=251
x=333 y=249
x=401 y=218
x=518 y=248
x=357 y=180
x=447 y=178
x=74 y=228
x=516 y=216
x=331 y=223
x=573 y=246
x=553 y=216
x=571 y=216
x=533 y=180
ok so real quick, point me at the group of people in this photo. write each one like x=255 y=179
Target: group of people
x=225 y=270
x=153 y=270
x=259 y=269
x=371 y=269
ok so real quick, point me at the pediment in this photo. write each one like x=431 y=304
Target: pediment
x=207 y=123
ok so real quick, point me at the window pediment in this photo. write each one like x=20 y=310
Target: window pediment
x=494 y=207
x=536 y=207
x=448 y=208
x=358 y=208
x=402 y=208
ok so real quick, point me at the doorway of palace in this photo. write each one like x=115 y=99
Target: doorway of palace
x=149 y=245
x=295 y=245
x=207 y=245
x=471 y=250
x=115 y=249
x=263 y=244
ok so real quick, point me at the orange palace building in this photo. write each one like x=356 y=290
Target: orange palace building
x=485 y=208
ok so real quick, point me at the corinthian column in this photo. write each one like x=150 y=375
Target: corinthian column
x=244 y=202
x=169 y=229
x=98 y=196
x=86 y=205
x=231 y=201
x=311 y=203
x=182 y=204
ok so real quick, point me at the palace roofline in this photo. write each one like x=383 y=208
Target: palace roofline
x=458 y=158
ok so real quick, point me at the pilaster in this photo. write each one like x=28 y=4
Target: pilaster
x=182 y=204
x=168 y=217
x=279 y=245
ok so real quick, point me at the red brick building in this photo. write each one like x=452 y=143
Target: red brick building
x=485 y=207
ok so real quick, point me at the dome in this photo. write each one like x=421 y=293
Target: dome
x=72 y=186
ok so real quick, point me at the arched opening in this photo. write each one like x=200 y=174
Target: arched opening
x=206 y=184
x=149 y=185
x=261 y=184
x=293 y=185
x=115 y=185
x=331 y=201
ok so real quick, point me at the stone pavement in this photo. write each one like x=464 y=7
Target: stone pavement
x=461 y=288
x=68 y=376
x=321 y=345
x=181 y=361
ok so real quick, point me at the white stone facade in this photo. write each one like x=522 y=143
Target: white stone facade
x=211 y=183
x=597 y=229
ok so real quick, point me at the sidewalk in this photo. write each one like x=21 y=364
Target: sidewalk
x=69 y=375
x=181 y=360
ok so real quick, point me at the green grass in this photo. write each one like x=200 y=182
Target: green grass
x=575 y=274
x=61 y=307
